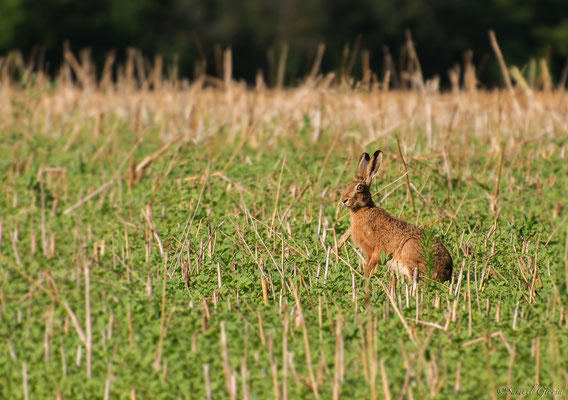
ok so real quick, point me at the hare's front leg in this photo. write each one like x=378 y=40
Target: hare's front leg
x=372 y=261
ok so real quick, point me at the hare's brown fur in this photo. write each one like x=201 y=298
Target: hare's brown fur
x=374 y=230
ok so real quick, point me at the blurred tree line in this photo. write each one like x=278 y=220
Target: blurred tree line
x=195 y=32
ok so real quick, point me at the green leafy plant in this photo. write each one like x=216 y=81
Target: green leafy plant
x=385 y=258
x=427 y=247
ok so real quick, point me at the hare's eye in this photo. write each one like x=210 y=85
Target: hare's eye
x=359 y=188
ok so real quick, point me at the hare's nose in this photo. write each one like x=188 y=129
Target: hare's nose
x=345 y=202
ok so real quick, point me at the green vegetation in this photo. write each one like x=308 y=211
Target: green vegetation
x=160 y=244
x=427 y=245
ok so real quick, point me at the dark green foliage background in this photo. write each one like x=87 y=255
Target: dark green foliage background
x=442 y=29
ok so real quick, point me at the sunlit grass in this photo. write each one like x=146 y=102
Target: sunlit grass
x=166 y=241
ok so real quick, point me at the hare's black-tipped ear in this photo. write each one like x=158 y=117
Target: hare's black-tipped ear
x=362 y=168
x=373 y=167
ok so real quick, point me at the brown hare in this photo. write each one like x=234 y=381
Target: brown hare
x=374 y=230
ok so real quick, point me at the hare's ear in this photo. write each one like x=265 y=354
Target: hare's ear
x=362 y=168
x=373 y=167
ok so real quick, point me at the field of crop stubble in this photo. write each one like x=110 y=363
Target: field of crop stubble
x=166 y=239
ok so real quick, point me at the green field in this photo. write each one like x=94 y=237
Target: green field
x=166 y=243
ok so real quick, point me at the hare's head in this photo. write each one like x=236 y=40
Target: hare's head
x=358 y=193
